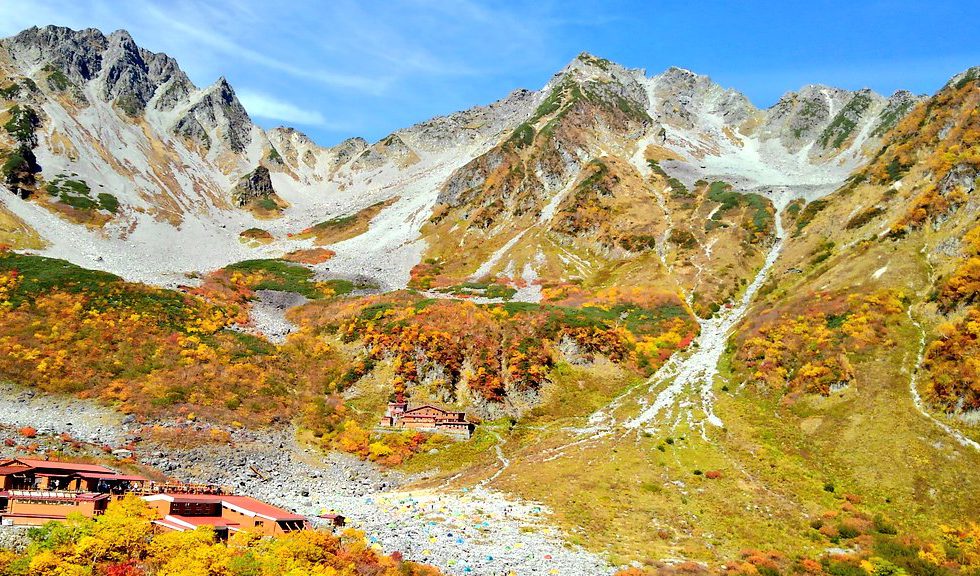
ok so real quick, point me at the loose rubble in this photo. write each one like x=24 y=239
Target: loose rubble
x=468 y=531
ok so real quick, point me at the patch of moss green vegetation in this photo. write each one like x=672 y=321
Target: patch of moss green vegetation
x=40 y=274
x=14 y=89
x=864 y=217
x=599 y=171
x=78 y=194
x=677 y=188
x=890 y=117
x=843 y=124
x=567 y=90
x=335 y=223
x=655 y=166
x=9 y=91
x=23 y=120
x=723 y=193
x=342 y=286
x=794 y=207
x=129 y=104
x=280 y=275
x=267 y=204
x=57 y=81
x=808 y=213
x=635 y=318
x=972 y=75
x=522 y=137
x=15 y=161
x=251 y=345
x=375 y=311
x=108 y=202
x=274 y=155
x=595 y=61
x=486 y=290
x=824 y=251
x=896 y=170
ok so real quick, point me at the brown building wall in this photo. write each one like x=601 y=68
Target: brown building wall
x=263 y=526
x=161 y=506
x=53 y=509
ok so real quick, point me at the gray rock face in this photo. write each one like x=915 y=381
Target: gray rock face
x=682 y=96
x=121 y=70
x=217 y=109
x=473 y=125
x=800 y=117
x=255 y=184
x=133 y=78
x=391 y=148
x=349 y=149
x=898 y=105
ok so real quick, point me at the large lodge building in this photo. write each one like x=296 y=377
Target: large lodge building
x=427 y=418
x=34 y=492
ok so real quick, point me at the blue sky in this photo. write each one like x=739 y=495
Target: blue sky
x=343 y=68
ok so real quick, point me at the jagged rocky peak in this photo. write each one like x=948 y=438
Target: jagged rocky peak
x=349 y=148
x=391 y=148
x=121 y=71
x=216 y=111
x=682 y=97
x=801 y=118
x=968 y=75
x=471 y=125
x=587 y=67
x=254 y=185
x=605 y=81
x=286 y=136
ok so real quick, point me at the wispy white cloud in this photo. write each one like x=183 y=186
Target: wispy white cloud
x=229 y=47
x=272 y=108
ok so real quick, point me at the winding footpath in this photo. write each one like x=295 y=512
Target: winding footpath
x=914 y=373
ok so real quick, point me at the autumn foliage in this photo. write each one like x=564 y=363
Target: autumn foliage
x=940 y=136
x=498 y=350
x=808 y=350
x=150 y=351
x=963 y=286
x=952 y=364
x=122 y=542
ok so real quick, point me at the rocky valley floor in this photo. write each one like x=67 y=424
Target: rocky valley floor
x=462 y=531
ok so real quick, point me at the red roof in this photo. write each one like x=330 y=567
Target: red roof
x=417 y=408
x=261 y=508
x=58 y=465
x=246 y=503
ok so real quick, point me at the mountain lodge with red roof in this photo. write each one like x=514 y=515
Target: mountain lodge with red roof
x=34 y=492
x=427 y=418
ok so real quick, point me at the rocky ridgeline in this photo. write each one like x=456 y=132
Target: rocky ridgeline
x=122 y=71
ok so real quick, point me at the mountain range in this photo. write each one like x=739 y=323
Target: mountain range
x=629 y=280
